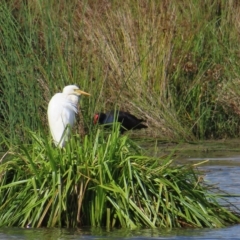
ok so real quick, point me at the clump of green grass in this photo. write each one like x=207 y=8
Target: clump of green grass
x=103 y=180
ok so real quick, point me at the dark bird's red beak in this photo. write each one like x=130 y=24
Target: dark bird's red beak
x=95 y=119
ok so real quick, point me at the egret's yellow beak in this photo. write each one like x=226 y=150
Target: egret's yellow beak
x=81 y=92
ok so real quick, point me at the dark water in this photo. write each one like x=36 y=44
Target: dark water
x=222 y=168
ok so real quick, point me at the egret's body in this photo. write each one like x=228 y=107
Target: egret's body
x=62 y=110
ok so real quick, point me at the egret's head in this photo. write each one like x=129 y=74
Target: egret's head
x=74 y=90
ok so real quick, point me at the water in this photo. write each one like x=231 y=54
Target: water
x=90 y=234
x=222 y=168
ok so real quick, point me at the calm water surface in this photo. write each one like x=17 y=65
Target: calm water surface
x=222 y=168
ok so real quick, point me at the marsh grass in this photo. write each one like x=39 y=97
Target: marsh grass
x=103 y=180
x=176 y=64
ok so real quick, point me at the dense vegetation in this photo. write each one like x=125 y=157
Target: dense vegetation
x=104 y=181
x=175 y=63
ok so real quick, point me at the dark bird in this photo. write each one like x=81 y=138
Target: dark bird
x=127 y=120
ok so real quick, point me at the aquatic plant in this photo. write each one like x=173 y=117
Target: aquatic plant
x=103 y=180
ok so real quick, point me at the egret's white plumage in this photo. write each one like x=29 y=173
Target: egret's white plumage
x=61 y=113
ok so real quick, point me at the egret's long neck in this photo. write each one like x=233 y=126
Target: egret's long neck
x=73 y=102
x=73 y=98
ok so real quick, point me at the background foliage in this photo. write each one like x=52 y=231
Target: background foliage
x=175 y=63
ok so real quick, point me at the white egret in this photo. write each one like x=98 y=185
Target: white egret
x=61 y=113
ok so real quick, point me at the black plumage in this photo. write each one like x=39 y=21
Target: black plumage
x=127 y=120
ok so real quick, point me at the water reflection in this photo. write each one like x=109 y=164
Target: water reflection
x=144 y=234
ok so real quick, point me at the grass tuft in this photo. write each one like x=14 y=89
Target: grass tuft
x=103 y=180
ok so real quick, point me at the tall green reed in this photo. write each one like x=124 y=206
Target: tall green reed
x=165 y=61
x=38 y=61
x=103 y=179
